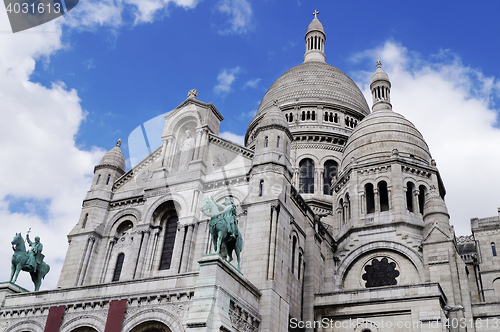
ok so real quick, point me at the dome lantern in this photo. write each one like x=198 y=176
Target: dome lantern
x=381 y=89
x=315 y=41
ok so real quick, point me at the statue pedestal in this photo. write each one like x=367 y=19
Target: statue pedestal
x=223 y=298
x=7 y=288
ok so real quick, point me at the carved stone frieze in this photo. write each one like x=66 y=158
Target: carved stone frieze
x=96 y=203
x=156 y=192
x=416 y=171
x=242 y=320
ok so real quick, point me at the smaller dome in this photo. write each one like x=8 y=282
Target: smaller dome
x=274 y=117
x=384 y=134
x=380 y=75
x=114 y=157
x=315 y=25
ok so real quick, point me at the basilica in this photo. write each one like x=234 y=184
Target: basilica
x=340 y=208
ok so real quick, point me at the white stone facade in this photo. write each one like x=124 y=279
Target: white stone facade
x=340 y=208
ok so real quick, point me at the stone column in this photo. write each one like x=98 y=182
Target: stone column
x=362 y=203
x=150 y=253
x=175 y=265
x=377 y=200
x=167 y=145
x=107 y=258
x=272 y=241
x=389 y=198
x=416 y=207
x=199 y=133
x=203 y=144
x=142 y=254
x=186 y=248
x=88 y=253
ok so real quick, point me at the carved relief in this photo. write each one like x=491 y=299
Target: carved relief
x=220 y=160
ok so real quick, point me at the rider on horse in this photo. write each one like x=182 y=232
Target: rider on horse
x=229 y=212
x=35 y=256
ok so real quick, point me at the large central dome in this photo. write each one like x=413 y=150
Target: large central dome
x=315 y=81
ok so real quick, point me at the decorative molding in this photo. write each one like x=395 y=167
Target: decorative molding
x=132 y=201
x=137 y=169
x=95 y=202
x=222 y=142
x=416 y=171
x=466 y=239
x=322 y=146
x=241 y=319
x=156 y=192
x=116 y=168
x=376 y=169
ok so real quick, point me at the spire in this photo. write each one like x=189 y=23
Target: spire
x=315 y=41
x=381 y=89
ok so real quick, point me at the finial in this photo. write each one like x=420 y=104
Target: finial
x=379 y=64
x=192 y=94
x=119 y=142
x=315 y=14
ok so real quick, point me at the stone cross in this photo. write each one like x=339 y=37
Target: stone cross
x=119 y=142
x=379 y=64
x=315 y=14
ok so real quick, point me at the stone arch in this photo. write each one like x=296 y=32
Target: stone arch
x=496 y=286
x=153 y=315
x=366 y=325
x=27 y=325
x=307 y=156
x=175 y=123
x=232 y=192
x=324 y=159
x=82 y=320
x=113 y=223
x=410 y=254
x=179 y=203
x=296 y=234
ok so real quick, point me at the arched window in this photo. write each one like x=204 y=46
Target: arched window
x=370 y=198
x=313 y=116
x=266 y=141
x=85 y=220
x=278 y=142
x=303 y=116
x=493 y=249
x=384 y=196
x=118 y=267
x=109 y=177
x=326 y=116
x=169 y=240
x=421 y=198
x=331 y=117
x=329 y=173
x=291 y=117
x=308 y=115
x=98 y=178
x=261 y=188
x=294 y=247
x=306 y=173
x=299 y=265
x=409 y=196
x=335 y=118
x=286 y=116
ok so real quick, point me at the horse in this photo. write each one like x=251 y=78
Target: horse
x=219 y=230
x=19 y=260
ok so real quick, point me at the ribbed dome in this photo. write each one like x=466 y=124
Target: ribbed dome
x=114 y=157
x=380 y=75
x=315 y=81
x=315 y=25
x=381 y=133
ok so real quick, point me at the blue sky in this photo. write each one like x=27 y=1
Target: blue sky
x=70 y=88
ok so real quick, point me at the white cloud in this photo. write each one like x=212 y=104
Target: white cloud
x=451 y=105
x=233 y=137
x=226 y=78
x=94 y=13
x=252 y=83
x=45 y=175
x=240 y=16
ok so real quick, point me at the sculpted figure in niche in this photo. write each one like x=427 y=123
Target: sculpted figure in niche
x=187 y=151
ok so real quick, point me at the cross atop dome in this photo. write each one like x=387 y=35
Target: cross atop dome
x=379 y=64
x=315 y=40
x=315 y=14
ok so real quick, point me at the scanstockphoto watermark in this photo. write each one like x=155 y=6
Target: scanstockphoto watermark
x=360 y=323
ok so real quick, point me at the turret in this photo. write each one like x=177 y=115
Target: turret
x=315 y=41
x=381 y=89
x=111 y=167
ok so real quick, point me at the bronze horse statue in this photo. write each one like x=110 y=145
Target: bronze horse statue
x=219 y=230
x=19 y=260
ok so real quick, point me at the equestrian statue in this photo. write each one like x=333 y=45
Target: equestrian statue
x=30 y=261
x=223 y=227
